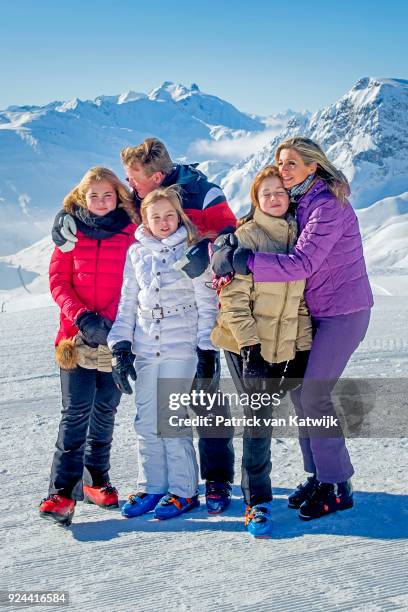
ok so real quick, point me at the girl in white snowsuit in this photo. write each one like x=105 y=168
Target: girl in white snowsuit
x=163 y=318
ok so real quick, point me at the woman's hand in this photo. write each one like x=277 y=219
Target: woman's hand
x=223 y=251
x=240 y=260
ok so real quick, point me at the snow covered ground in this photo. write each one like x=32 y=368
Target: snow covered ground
x=355 y=560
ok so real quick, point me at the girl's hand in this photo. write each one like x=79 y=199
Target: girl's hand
x=94 y=328
x=253 y=367
x=208 y=370
x=122 y=366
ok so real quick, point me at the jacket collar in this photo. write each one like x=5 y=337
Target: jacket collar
x=280 y=229
x=146 y=239
x=270 y=224
x=317 y=187
x=185 y=175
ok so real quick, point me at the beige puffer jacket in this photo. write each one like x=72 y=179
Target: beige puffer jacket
x=272 y=314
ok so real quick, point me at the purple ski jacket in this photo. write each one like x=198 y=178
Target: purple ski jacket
x=328 y=254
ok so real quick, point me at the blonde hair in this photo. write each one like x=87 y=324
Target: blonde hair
x=266 y=172
x=172 y=195
x=310 y=152
x=77 y=195
x=151 y=154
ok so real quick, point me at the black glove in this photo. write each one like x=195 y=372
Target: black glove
x=122 y=366
x=240 y=259
x=253 y=367
x=94 y=328
x=208 y=370
x=195 y=260
x=63 y=231
x=295 y=371
x=207 y=363
x=223 y=251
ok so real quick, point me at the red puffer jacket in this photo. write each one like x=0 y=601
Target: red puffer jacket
x=89 y=278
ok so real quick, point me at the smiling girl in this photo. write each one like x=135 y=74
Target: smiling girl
x=329 y=256
x=85 y=283
x=163 y=317
x=262 y=326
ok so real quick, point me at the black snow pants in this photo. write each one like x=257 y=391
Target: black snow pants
x=256 y=445
x=89 y=399
x=216 y=449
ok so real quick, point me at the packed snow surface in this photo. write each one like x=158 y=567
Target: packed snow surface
x=355 y=560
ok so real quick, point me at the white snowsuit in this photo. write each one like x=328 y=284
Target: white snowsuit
x=166 y=316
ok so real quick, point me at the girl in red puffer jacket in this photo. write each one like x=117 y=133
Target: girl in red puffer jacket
x=86 y=283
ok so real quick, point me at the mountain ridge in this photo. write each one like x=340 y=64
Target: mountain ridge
x=365 y=134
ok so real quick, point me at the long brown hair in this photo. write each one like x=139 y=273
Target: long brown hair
x=77 y=195
x=173 y=196
x=311 y=152
x=266 y=172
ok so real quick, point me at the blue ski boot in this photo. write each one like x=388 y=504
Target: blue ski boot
x=217 y=496
x=172 y=505
x=140 y=503
x=258 y=520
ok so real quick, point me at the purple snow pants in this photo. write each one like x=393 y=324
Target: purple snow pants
x=335 y=340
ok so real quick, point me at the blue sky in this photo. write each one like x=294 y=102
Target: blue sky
x=263 y=57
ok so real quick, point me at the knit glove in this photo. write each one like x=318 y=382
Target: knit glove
x=122 y=366
x=94 y=328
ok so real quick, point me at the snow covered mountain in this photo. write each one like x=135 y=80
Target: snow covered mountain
x=44 y=150
x=207 y=108
x=384 y=228
x=365 y=134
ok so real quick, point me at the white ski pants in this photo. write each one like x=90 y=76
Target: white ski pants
x=165 y=464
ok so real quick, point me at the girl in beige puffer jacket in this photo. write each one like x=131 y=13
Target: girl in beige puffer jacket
x=262 y=327
x=271 y=317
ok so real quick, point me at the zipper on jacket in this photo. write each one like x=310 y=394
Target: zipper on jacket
x=98 y=246
x=285 y=298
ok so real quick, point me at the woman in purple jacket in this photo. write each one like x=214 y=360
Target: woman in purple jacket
x=329 y=255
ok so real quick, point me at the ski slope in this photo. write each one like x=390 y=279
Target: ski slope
x=355 y=560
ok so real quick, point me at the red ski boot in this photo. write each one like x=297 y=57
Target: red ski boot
x=105 y=496
x=57 y=508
